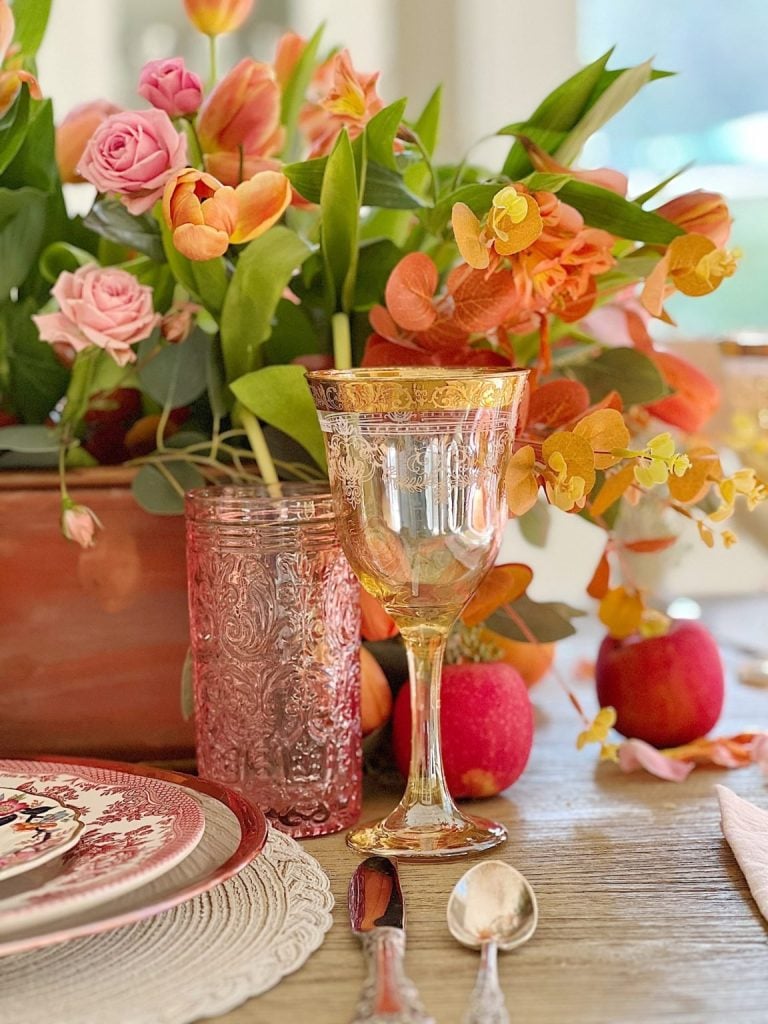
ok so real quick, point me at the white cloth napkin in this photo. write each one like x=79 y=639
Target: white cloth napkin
x=745 y=827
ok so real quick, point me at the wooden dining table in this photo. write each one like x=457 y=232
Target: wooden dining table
x=644 y=913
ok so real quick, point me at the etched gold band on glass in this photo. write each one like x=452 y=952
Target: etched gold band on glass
x=409 y=389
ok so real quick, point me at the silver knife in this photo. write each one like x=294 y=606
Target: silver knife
x=377 y=916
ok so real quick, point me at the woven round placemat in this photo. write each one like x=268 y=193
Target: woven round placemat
x=198 y=960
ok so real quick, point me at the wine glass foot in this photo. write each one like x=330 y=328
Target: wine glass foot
x=458 y=836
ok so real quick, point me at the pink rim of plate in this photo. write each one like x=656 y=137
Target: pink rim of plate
x=253 y=836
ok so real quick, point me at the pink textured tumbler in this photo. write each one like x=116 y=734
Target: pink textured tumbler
x=275 y=626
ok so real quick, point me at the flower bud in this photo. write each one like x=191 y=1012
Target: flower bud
x=168 y=85
x=216 y=17
x=201 y=213
x=700 y=213
x=78 y=523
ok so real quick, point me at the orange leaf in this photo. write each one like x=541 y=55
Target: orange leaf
x=621 y=611
x=655 y=288
x=613 y=488
x=522 y=482
x=605 y=430
x=577 y=452
x=466 y=228
x=691 y=487
x=480 y=302
x=685 y=251
x=598 y=585
x=649 y=545
x=410 y=292
x=503 y=585
x=696 y=395
x=557 y=402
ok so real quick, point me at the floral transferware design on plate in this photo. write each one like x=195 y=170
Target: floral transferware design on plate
x=134 y=830
x=235 y=833
x=33 y=830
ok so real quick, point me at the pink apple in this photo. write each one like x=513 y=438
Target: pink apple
x=486 y=723
x=667 y=690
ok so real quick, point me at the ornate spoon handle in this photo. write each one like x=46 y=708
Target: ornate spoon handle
x=388 y=996
x=486 y=1005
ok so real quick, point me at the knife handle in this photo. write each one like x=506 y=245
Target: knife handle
x=388 y=996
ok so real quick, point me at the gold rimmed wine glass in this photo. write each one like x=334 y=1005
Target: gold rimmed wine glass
x=416 y=460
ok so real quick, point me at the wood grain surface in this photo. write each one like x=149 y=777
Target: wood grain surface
x=644 y=914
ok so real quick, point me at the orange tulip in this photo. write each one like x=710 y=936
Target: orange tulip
x=243 y=112
x=261 y=201
x=230 y=167
x=700 y=213
x=216 y=17
x=201 y=213
x=290 y=47
x=12 y=74
x=73 y=133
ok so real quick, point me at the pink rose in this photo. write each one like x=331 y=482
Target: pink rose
x=78 y=523
x=73 y=133
x=134 y=153
x=169 y=86
x=106 y=307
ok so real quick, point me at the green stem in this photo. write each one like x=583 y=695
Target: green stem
x=261 y=451
x=342 y=341
x=63 y=449
x=213 y=71
x=194 y=138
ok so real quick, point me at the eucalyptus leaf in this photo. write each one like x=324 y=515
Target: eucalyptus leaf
x=175 y=375
x=535 y=523
x=28 y=438
x=279 y=395
x=110 y=219
x=156 y=494
x=547 y=621
x=264 y=268
x=602 y=208
x=631 y=373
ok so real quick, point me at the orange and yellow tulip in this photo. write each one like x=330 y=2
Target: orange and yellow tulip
x=261 y=202
x=217 y=17
x=12 y=74
x=700 y=213
x=243 y=112
x=201 y=213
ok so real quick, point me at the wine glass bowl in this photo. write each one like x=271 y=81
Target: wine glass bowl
x=416 y=460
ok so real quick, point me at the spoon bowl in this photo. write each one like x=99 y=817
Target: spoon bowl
x=492 y=907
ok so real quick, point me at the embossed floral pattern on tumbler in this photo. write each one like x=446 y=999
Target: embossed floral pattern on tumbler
x=275 y=625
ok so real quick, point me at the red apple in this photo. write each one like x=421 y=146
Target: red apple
x=667 y=690
x=486 y=724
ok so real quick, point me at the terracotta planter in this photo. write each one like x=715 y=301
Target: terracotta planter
x=92 y=643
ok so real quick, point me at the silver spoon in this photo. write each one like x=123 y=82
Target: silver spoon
x=491 y=907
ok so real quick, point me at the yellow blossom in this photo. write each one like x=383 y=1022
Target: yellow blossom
x=744 y=482
x=654 y=623
x=729 y=538
x=564 y=491
x=658 y=460
x=597 y=731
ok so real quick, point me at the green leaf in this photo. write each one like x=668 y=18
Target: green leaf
x=206 y=279
x=34 y=164
x=381 y=131
x=28 y=439
x=546 y=181
x=279 y=396
x=631 y=373
x=216 y=385
x=377 y=260
x=477 y=197
x=339 y=215
x=293 y=334
x=602 y=208
x=156 y=494
x=22 y=223
x=534 y=524
x=616 y=96
x=427 y=126
x=31 y=17
x=643 y=198
x=264 y=268
x=294 y=93
x=559 y=111
x=13 y=127
x=383 y=188
x=548 y=621
x=608 y=77
x=110 y=219
x=36 y=379
x=61 y=256
x=175 y=375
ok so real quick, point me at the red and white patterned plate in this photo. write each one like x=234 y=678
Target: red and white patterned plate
x=135 y=829
x=33 y=830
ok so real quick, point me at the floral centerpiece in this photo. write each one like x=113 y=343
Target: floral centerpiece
x=285 y=216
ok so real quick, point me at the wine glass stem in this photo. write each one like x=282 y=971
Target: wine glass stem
x=425 y=647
